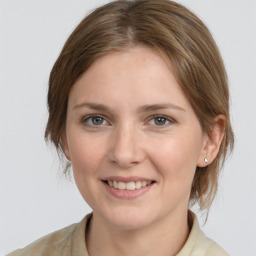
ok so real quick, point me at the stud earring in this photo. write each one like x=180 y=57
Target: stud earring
x=206 y=160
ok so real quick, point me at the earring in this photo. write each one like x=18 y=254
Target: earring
x=206 y=160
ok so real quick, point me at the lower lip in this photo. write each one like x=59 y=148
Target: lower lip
x=127 y=194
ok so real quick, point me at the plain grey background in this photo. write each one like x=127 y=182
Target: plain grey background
x=34 y=198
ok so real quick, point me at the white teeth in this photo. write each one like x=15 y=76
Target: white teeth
x=143 y=183
x=121 y=185
x=115 y=184
x=132 y=185
x=138 y=185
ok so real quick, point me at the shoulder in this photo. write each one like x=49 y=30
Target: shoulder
x=198 y=244
x=51 y=244
x=54 y=244
x=208 y=246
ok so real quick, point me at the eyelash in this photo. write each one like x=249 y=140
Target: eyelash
x=152 y=118
x=166 y=118
x=85 y=119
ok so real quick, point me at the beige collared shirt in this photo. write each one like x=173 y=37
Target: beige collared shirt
x=70 y=241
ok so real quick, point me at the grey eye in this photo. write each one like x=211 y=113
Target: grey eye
x=160 y=120
x=97 y=120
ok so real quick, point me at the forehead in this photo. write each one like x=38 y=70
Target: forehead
x=138 y=74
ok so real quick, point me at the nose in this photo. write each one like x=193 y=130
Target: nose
x=126 y=147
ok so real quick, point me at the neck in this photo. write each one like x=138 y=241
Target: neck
x=165 y=238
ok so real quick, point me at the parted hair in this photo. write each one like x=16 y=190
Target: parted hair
x=181 y=37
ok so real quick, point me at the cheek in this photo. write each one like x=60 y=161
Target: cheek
x=87 y=153
x=87 y=156
x=176 y=159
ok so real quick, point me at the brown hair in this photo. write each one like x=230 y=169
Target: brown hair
x=177 y=33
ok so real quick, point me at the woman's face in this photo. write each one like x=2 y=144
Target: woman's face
x=133 y=139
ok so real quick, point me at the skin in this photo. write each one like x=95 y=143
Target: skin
x=128 y=141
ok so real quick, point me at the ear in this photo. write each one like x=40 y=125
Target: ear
x=212 y=142
x=65 y=147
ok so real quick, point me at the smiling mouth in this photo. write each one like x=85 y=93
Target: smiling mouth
x=132 y=185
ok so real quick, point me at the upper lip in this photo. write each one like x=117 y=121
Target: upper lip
x=126 y=179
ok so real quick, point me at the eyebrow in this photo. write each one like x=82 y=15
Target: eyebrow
x=147 y=108
x=144 y=108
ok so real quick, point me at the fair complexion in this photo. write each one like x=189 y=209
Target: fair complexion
x=129 y=125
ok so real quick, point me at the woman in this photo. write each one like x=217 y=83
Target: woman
x=139 y=105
